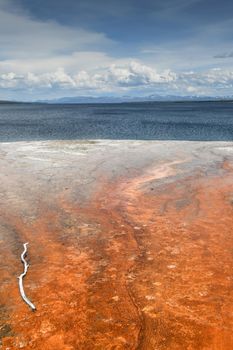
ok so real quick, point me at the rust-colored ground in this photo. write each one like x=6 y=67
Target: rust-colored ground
x=144 y=264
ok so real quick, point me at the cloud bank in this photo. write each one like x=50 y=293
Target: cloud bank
x=129 y=75
x=45 y=58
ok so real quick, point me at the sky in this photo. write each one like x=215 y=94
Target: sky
x=51 y=49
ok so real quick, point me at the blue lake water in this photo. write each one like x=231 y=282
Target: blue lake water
x=137 y=121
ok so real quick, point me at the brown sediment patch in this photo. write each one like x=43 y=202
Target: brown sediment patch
x=132 y=269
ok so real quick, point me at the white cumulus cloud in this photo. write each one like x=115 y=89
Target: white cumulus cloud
x=132 y=74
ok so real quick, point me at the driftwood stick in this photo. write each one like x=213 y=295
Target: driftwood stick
x=21 y=289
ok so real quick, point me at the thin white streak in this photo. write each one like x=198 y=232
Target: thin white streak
x=21 y=289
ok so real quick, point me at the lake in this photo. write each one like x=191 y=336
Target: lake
x=203 y=121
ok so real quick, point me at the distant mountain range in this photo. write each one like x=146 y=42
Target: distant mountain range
x=7 y=102
x=126 y=99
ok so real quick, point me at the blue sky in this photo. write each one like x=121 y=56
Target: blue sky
x=53 y=48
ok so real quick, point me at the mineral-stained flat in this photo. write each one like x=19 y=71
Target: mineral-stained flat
x=130 y=245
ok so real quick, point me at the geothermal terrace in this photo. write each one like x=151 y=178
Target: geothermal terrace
x=130 y=245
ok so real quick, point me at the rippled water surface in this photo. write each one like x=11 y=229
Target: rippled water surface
x=145 y=121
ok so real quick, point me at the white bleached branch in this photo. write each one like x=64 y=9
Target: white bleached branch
x=21 y=289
